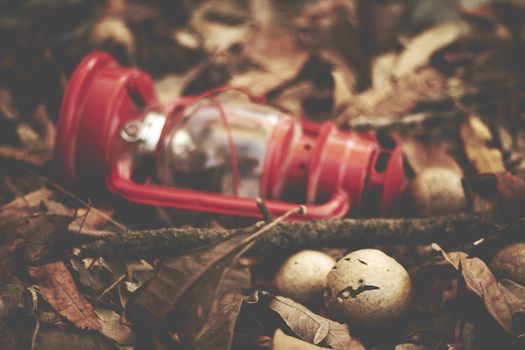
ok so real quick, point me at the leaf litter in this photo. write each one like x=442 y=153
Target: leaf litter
x=449 y=91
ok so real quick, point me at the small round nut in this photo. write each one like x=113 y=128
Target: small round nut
x=438 y=190
x=369 y=288
x=302 y=277
x=509 y=262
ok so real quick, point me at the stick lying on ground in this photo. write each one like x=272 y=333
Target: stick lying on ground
x=449 y=230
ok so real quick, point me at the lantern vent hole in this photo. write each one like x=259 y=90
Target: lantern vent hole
x=302 y=166
x=136 y=98
x=307 y=146
x=382 y=161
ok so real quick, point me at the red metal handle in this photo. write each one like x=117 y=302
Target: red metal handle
x=119 y=182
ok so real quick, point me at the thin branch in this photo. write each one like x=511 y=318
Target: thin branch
x=447 y=230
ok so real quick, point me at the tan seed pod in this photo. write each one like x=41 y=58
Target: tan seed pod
x=302 y=276
x=438 y=190
x=509 y=262
x=367 y=287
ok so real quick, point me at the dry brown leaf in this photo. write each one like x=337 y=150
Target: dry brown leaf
x=218 y=331
x=480 y=280
x=502 y=192
x=37 y=158
x=282 y=341
x=188 y=280
x=515 y=294
x=113 y=328
x=38 y=233
x=278 y=55
x=217 y=36
x=91 y=218
x=23 y=205
x=398 y=98
x=60 y=291
x=179 y=297
x=49 y=338
x=421 y=48
x=401 y=82
x=313 y=328
x=476 y=137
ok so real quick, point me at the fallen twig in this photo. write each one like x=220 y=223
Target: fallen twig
x=449 y=230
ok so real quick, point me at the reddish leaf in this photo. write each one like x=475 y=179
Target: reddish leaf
x=59 y=290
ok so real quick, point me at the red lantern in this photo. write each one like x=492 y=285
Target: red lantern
x=216 y=152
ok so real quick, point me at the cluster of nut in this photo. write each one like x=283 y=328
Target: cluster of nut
x=365 y=287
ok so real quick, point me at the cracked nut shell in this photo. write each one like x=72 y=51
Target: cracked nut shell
x=302 y=277
x=367 y=287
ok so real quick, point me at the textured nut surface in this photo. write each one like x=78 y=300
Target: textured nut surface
x=438 y=190
x=368 y=287
x=509 y=262
x=302 y=276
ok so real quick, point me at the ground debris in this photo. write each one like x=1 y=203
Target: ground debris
x=81 y=268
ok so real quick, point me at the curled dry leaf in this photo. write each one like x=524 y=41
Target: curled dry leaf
x=282 y=341
x=313 y=328
x=480 y=280
x=59 y=290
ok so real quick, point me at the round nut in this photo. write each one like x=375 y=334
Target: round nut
x=509 y=262
x=367 y=287
x=438 y=190
x=302 y=277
